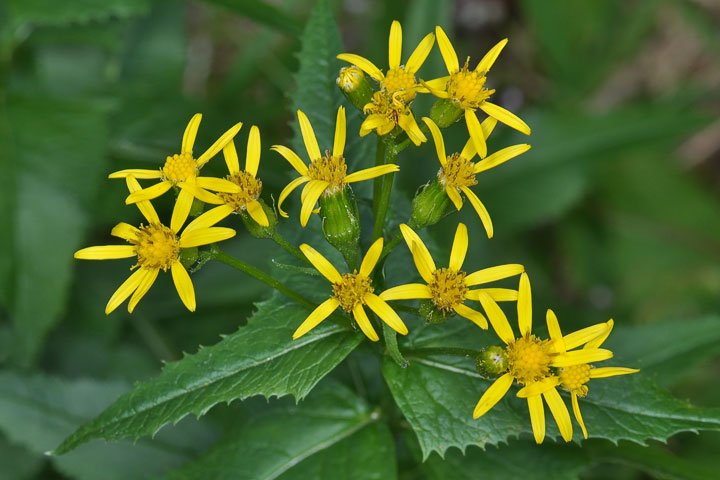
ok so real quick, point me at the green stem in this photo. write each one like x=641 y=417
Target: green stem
x=406 y=143
x=456 y=352
x=382 y=204
x=277 y=238
x=378 y=181
x=391 y=344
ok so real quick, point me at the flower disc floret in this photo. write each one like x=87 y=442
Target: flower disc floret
x=447 y=288
x=351 y=290
x=250 y=188
x=179 y=168
x=400 y=80
x=529 y=359
x=331 y=169
x=458 y=172
x=156 y=246
x=575 y=377
x=467 y=89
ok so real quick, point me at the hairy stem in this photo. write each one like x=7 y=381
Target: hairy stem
x=384 y=199
x=277 y=238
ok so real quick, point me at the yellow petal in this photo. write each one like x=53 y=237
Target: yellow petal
x=410 y=126
x=459 y=247
x=502 y=294
x=252 y=155
x=386 y=313
x=340 y=127
x=209 y=218
x=205 y=236
x=292 y=158
x=497 y=317
x=476 y=133
x=575 y=339
x=217 y=184
x=473 y=315
x=469 y=150
x=406 y=292
x=288 y=190
x=420 y=54
x=124 y=291
x=183 y=285
x=524 y=305
x=578 y=415
x=454 y=196
x=231 y=157
x=145 y=207
x=190 y=133
x=560 y=412
x=363 y=64
x=372 y=122
x=181 y=210
x=316 y=316
x=500 y=157
x=600 y=339
x=490 y=57
x=611 y=371
x=125 y=231
x=308 y=135
x=371 y=257
x=438 y=139
x=371 y=172
x=106 y=252
x=363 y=322
x=148 y=193
x=493 y=394
x=538 y=388
x=395 y=45
x=140 y=173
x=200 y=193
x=437 y=83
x=537 y=417
x=447 y=51
x=487 y=275
x=218 y=145
x=554 y=330
x=576 y=357
x=256 y=211
x=420 y=253
x=506 y=117
x=145 y=283
x=314 y=189
x=321 y=263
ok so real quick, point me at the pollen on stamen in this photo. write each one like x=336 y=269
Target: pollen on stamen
x=457 y=172
x=351 y=290
x=529 y=359
x=250 y=188
x=156 y=246
x=447 y=288
x=330 y=169
x=179 y=168
x=467 y=88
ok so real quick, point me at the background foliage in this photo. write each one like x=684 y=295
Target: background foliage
x=614 y=212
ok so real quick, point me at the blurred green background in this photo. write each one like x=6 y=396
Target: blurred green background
x=614 y=211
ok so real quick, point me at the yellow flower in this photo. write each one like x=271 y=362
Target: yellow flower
x=250 y=186
x=156 y=247
x=350 y=292
x=326 y=174
x=458 y=171
x=385 y=112
x=448 y=288
x=466 y=89
x=530 y=361
x=182 y=170
x=574 y=378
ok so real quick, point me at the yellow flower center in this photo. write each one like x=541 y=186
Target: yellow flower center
x=179 y=167
x=400 y=80
x=529 y=359
x=250 y=188
x=156 y=246
x=329 y=169
x=447 y=288
x=457 y=172
x=467 y=88
x=351 y=290
x=575 y=377
x=390 y=106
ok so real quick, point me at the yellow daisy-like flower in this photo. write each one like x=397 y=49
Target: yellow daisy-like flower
x=326 y=174
x=458 y=171
x=530 y=361
x=156 y=247
x=250 y=186
x=387 y=111
x=448 y=288
x=466 y=89
x=350 y=292
x=183 y=170
x=574 y=378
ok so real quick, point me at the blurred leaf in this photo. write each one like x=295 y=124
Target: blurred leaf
x=17 y=462
x=38 y=411
x=49 y=12
x=262 y=12
x=259 y=359
x=333 y=434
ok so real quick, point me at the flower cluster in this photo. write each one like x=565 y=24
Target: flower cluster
x=539 y=366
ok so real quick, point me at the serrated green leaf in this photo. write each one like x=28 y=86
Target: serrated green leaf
x=51 y=13
x=259 y=359
x=37 y=411
x=332 y=434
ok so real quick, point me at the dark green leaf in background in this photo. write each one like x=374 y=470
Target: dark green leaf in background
x=50 y=12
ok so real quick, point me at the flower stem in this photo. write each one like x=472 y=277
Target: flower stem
x=406 y=143
x=277 y=238
x=391 y=344
x=456 y=352
x=384 y=199
x=378 y=181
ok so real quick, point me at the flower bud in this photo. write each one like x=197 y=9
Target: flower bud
x=254 y=228
x=491 y=362
x=430 y=313
x=444 y=112
x=341 y=223
x=355 y=86
x=429 y=205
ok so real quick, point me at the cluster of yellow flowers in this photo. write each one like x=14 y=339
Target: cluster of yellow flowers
x=538 y=365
